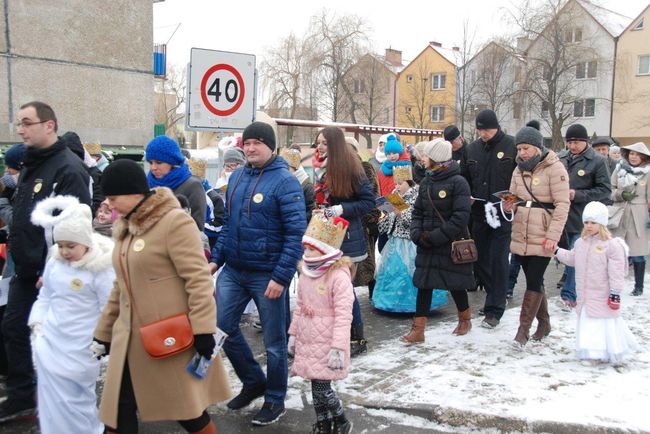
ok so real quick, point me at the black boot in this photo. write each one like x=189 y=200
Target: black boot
x=341 y=425
x=358 y=343
x=371 y=288
x=639 y=274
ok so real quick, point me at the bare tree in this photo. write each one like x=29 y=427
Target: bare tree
x=418 y=98
x=465 y=83
x=496 y=78
x=170 y=97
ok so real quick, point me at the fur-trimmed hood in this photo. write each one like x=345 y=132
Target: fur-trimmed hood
x=98 y=258
x=154 y=208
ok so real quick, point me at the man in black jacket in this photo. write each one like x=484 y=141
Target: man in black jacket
x=50 y=169
x=488 y=166
x=458 y=145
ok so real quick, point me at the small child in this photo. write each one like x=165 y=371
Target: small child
x=320 y=329
x=600 y=262
x=395 y=157
x=104 y=218
x=77 y=281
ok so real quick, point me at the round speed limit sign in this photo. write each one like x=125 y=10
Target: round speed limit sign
x=222 y=89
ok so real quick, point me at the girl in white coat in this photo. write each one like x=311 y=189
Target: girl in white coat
x=77 y=281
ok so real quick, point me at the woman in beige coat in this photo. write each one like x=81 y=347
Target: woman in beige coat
x=160 y=272
x=541 y=181
x=631 y=196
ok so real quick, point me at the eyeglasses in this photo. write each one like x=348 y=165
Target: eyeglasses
x=27 y=124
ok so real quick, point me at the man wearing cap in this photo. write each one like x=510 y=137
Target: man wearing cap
x=601 y=144
x=379 y=156
x=458 y=145
x=49 y=169
x=588 y=181
x=488 y=167
x=259 y=248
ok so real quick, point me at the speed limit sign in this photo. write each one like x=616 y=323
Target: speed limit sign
x=221 y=90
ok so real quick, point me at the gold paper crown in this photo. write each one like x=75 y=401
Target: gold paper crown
x=402 y=173
x=329 y=231
x=197 y=167
x=292 y=156
x=93 y=148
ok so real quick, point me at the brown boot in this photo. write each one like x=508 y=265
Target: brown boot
x=543 y=321
x=210 y=428
x=416 y=335
x=464 y=322
x=529 y=308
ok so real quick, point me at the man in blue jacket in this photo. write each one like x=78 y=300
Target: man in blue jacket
x=259 y=247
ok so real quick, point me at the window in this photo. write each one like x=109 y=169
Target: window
x=639 y=25
x=409 y=78
x=584 y=108
x=644 y=65
x=586 y=69
x=437 y=113
x=545 y=108
x=438 y=81
x=359 y=85
x=573 y=35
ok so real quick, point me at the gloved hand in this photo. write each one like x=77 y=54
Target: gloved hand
x=333 y=211
x=614 y=301
x=291 y=345
x=628 y=195
x=424 y=240
x=335 y=359
x=204 y=345
x=100 y=348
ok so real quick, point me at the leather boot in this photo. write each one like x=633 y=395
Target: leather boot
x=416 y=335
x=529 y=308
x=464 y=322
x=639 y=274
x=543 y=321
x=210 y=428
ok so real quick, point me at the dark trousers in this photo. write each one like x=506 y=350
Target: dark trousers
x=21 y=380
x=423 y=301
x=492 y=267
x=534 y=268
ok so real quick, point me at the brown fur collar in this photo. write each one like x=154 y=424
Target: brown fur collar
x=150 y=212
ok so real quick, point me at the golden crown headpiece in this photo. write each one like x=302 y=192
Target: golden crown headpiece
x=402 y=173
x=197 y=167
x=325 y=233
x=93 y=148
x=293 y=157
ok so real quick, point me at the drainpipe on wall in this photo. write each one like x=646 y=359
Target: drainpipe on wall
x=395 y=98
x=611 y=112
x=10 y=104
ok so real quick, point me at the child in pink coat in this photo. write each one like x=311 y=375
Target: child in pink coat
x=320 y=330
x=600 y=263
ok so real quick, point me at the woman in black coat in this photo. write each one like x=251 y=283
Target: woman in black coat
x=444 y=187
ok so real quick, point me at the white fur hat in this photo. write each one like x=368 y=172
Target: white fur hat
x=595 y=212
x=74 y=223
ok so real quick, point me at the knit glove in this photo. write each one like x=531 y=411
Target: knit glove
x=100 y=348
x=614 y=301
x=628 y=195
x=333 y=211
x=291 y=345
x=204 y=345
x=335 y=359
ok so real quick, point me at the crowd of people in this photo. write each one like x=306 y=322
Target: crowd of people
x=104 y=259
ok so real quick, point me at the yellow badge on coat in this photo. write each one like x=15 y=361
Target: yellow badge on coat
x=500 y=155
x=442 y=194
x=600 y=249
x=138 y=246
x=76 y=284
x=38 y=187
x=321 y=289
x=581 y=172
x=259 y=197
x=535 y=181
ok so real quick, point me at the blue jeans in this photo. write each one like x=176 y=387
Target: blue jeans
x=235 y=288
x=356 y=311
x=568 y=291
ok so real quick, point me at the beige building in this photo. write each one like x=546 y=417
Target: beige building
x=91 y=60
x=630 y=114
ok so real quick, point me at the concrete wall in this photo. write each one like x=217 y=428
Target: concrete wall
x=90 y=59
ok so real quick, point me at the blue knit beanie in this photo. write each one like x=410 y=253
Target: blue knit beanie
x=14 y=156
x=393 y=146
x=164 y=149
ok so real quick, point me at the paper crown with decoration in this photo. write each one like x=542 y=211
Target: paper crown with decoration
x=197 y=167
x=325 y=234
x=402 y=173
x=292 y=156
x=93 y=148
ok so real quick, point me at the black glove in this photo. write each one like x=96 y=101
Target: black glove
x=424 y=240
x=100 y=348
x=204 y=345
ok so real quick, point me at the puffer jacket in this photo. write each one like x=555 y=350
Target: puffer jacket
x=549 y=182
x=321 y=321
x=264 y=221
x=600 y=266
x=589 y=177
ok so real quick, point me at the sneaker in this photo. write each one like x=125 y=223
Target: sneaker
x=489 y=322
x=14 y=410
x=268 y=414
x=358 y=346
x=246 y=396
x=481 y=312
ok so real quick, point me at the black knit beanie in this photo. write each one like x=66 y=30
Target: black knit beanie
x=451 y=133
x=577 y=132
x=486 y=120
x=124 y=176
x=260 y=131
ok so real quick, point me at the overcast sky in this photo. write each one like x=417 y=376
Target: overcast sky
x=254 y=26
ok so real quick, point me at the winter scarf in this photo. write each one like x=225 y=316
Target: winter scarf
x=321 y=190
x=319 y=164
x=173 y=179
x=529 y=165
x=380 y=156
x=388 y=166
x=629 y=176
x=316 y=267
